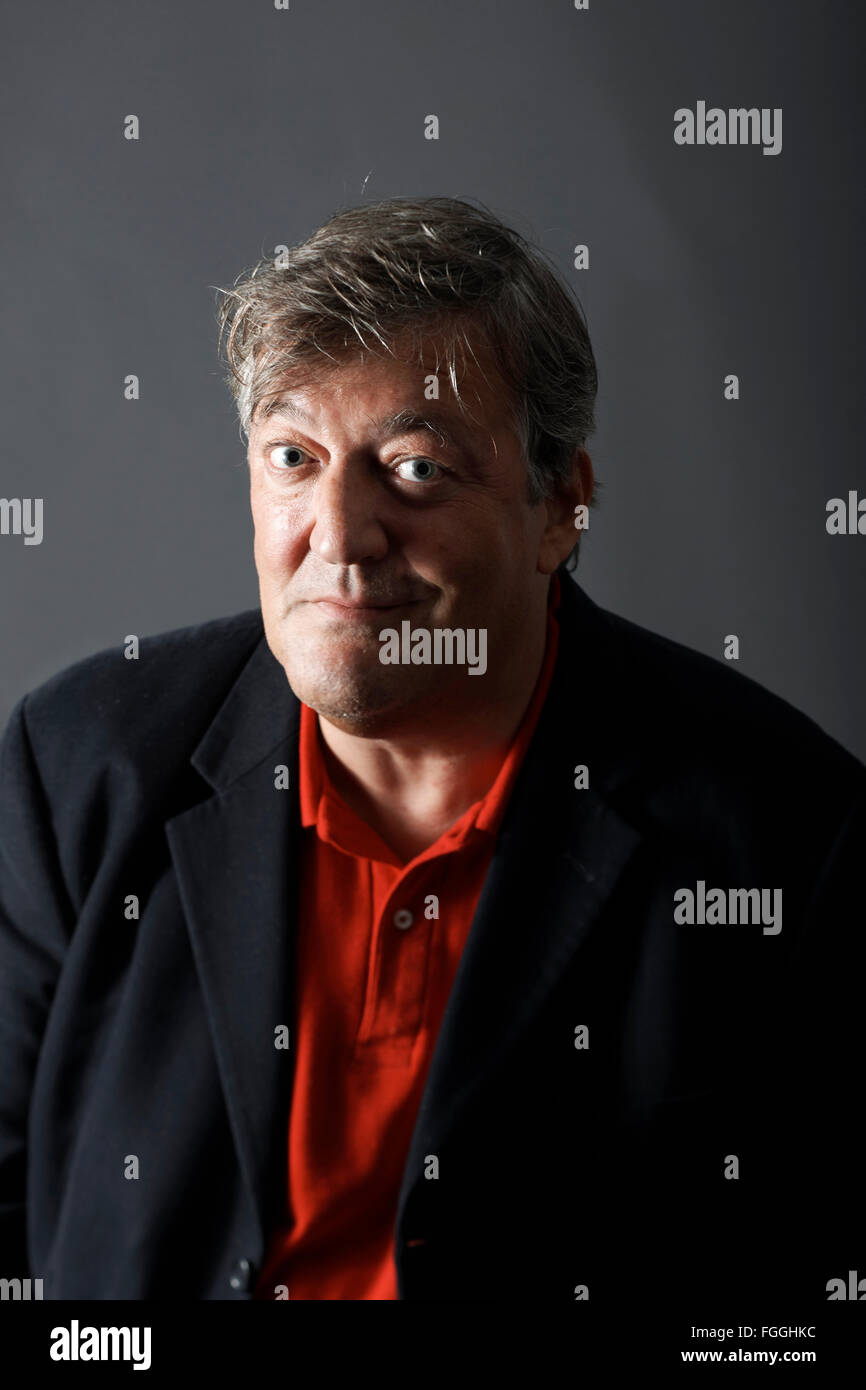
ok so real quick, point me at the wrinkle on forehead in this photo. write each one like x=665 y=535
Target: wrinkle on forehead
x=434 y=351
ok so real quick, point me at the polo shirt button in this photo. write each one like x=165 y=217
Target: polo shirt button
x=403 y=919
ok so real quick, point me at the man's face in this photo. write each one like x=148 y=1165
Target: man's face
x=351 y=505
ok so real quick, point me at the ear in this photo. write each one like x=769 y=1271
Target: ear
x=561 y=533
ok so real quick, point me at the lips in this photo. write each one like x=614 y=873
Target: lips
x=363 y=604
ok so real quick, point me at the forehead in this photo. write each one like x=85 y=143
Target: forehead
x=416 y=376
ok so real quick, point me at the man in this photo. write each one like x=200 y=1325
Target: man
x=433 y=933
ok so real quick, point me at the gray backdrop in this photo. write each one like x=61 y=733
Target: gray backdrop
x=257 y=124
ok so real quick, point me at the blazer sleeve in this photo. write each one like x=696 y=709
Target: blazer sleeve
x=35 y=925
x=812 y=1100
x=832 y=974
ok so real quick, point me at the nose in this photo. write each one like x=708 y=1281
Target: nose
x=347 y=526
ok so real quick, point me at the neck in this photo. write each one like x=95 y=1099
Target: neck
x=410 y=787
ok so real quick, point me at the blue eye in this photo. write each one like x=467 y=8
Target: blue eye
x=427 y=463
x=295 y=456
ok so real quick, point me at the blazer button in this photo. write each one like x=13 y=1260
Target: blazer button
x=242 y=1276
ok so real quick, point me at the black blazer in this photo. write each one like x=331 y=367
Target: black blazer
x=561 y=1168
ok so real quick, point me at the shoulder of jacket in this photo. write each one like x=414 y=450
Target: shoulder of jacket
x=178 y=678
x=690 y=712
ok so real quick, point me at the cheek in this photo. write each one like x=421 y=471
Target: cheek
x=474 y=542
x=278 y=532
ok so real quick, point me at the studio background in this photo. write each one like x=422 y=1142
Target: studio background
x=257 y=124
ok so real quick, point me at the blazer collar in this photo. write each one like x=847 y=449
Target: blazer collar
x=260 y=711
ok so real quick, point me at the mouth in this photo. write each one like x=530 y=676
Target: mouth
x=372 y=612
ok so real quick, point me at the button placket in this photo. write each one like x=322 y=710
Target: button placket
x=395 y=1004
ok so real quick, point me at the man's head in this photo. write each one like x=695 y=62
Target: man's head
x=417 y=386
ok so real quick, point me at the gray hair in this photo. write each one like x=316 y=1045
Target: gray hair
x=422 y=266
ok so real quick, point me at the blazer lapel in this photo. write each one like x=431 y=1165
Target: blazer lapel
x=558 y=857
x=236 y=856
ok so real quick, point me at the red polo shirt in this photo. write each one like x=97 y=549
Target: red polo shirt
x=377 y=950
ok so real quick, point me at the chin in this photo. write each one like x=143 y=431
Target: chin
x=359 y=701
x=326 y=688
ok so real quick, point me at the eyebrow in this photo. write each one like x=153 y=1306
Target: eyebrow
x=406 y=421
